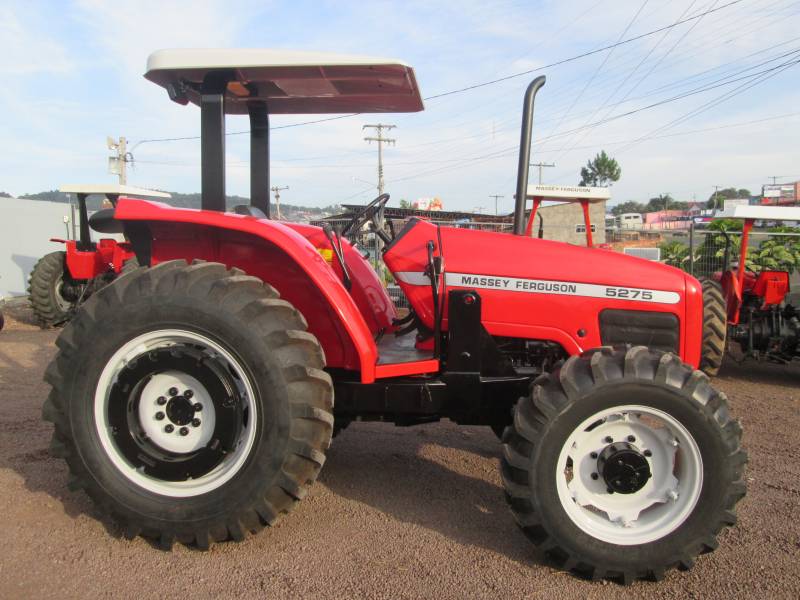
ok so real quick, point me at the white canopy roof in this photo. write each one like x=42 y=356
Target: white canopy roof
x=293 y=82
x=767 y=213
x=110 y=189
x=569 y=193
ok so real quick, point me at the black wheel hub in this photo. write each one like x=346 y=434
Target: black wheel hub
x=624 y=469
x=180 y=410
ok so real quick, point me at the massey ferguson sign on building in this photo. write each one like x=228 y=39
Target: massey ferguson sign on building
x=780 y=193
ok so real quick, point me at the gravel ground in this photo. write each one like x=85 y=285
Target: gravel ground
x=397 y=513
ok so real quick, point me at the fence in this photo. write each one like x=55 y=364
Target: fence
x=705 y=252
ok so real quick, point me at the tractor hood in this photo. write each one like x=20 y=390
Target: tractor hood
x=535 y=288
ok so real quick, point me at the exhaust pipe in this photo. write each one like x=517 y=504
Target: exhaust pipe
x=525 y=154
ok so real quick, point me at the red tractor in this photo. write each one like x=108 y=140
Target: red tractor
x=193 y=397
x=61 y=280
x=758 y=317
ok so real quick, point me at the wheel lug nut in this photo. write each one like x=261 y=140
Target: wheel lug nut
x=631 y=438
x=595 y=476
x=593 y=455
x=173 y=391
x=160 y=416
x=198 y=407
x=161 y=400
x=188 y=394
x=608 y=439
x=169 y=428
x=195 y=422
x=184 y=431
x=648 y=453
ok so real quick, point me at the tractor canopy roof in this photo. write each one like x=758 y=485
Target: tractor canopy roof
x=288 y=81
x=110 y=189
x=767 y=213
x=569 y=193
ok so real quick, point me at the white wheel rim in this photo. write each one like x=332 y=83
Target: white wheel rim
x=148 y=407
x=664 y=502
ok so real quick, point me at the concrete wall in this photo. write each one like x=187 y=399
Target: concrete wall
x=561 y=220
x=26 y=227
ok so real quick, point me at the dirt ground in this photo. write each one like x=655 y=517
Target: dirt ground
x=397 y=513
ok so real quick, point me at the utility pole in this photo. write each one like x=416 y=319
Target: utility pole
x=495 y=196
x=379 y=128
x=716 y=197
x=278 y=191
x=541 y=165
x=775 y=178
x=378 y=137
x=118 y=165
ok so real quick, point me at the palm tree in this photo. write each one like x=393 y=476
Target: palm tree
x=602 y=170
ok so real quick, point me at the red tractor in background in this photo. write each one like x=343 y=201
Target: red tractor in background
x=758 y=316
x=61 y=280
x=193 y=397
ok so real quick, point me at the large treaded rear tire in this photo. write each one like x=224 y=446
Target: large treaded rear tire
x=43 y=290
x=715 y=327
x=545 y=422
x=267 y=338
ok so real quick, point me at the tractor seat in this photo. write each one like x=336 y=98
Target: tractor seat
x=103 y=221
x=251 y=211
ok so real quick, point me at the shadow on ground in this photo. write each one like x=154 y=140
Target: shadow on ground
x=414 y=475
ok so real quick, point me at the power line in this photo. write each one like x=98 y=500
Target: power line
x=599 y=68
x=512 y=149
x=631 y=73
x=583 y=55
x=477 y=85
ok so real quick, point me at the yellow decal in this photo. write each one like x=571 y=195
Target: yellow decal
x=326 y=253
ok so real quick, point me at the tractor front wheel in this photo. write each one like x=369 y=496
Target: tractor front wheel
x=190 y=403
x=715 y=327
x=51 y=291
x=623 y=464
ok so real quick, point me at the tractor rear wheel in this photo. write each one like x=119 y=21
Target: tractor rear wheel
x=190 y=403
x=715 y=327
x=51 y=292
x=623 y=463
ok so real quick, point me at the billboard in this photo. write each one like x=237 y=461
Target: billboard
x=779 y=193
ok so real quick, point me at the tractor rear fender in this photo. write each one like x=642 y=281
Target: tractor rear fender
x=270 y=250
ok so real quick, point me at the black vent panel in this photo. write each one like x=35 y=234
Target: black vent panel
x=657 y=330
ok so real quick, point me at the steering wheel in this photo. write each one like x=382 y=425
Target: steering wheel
x=370 y=211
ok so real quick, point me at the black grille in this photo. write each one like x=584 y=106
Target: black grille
x=657 y=330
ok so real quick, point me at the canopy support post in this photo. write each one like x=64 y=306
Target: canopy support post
x=212 y=140
x=85 y=242
x=259 y=156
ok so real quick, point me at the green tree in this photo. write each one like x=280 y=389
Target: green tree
x=631 y=206
x=665 y=202
x=405 y=203
x=675 y=254
x=602 y=171
x=717 y=199
x=777 y=253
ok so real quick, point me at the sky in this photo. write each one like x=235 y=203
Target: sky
x=713 y=101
